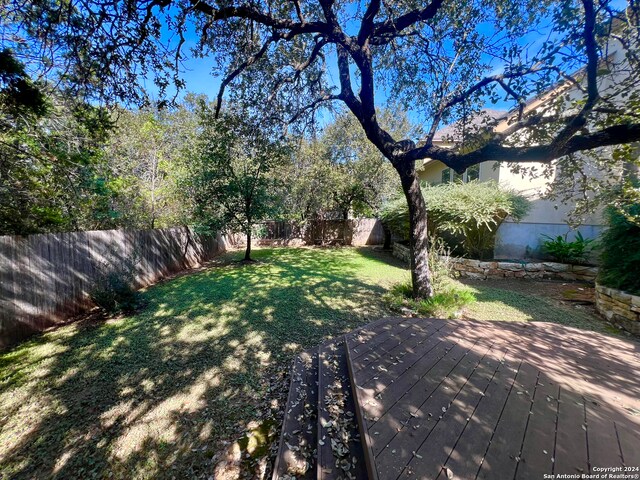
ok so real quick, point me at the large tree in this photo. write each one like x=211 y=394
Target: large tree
x=443 y=60
x=149 y=150
x=53 y=174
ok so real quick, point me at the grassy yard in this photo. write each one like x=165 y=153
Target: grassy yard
x=534 y=300
x=157 y=394
x=152 y=395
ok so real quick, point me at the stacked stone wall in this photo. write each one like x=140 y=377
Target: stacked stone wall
x=620 y=308
x=483 y=270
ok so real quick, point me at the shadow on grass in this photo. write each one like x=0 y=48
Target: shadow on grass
x=152 y=395
x=530 y=302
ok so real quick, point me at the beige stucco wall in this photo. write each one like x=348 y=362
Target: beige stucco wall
x=542 y=211
x=431 y=171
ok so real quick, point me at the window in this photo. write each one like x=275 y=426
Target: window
x=470 y=174
x=473 y=173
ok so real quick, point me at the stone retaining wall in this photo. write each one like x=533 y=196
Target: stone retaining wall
x=402 y=252
x=469 y=268
x=620 y=308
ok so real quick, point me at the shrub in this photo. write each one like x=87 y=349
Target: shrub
x=567 y=252
x=439 y=263
x=446 y=303
x=114 y=286
x=620 y=249
x=465 y=215
x=259 y=231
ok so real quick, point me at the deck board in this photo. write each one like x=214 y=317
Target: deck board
x=298 y=436
x=370 y=337
x=432 y=454
x=501 y=457
x=629 y=440
x=493 y=399
x=425 y=405
x=604 y=450
x=403 y=342
x=389 y=385
x=465 y=458
x=394 y=409
x=404 y=357
x=536 y=455
x=333 y=382
x=571 y=444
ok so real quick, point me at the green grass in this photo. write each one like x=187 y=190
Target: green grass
x=450 y=298
x=503 y=304
x=153 y=395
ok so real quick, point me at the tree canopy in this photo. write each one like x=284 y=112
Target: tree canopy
x=52 y=174
x=443 y=61
x=339 y=173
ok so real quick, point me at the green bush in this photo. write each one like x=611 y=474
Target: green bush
x=439 y=263
x=259 y=231
x=114 y=287
x=565 y=251
x=620 y=249
x=446 y=303
x=465 y=215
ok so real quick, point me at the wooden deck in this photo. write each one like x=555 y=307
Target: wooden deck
x=495 y=400
x=437 y=399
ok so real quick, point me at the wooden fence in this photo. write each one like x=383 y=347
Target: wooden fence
x=47 y=278
x=356 y=232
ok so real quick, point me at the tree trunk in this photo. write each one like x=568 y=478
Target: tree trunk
x=247 y=252
x=418 y=236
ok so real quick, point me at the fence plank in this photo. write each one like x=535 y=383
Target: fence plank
x=46 y=278
x=356 y=232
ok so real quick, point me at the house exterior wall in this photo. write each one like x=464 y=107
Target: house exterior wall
x=547 y=217
x=522 y=240
x=431 y=172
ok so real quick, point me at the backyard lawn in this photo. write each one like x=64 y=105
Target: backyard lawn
x=158 y=394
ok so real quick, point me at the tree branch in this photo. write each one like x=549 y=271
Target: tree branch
x=247 y=63
x=366 y=28
x=296 y=4
x=251 y=13
x=316 y=52
x=613 y=135
x=591 y=48
x=311 y=106
x=346 y=90
x=384 y=32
